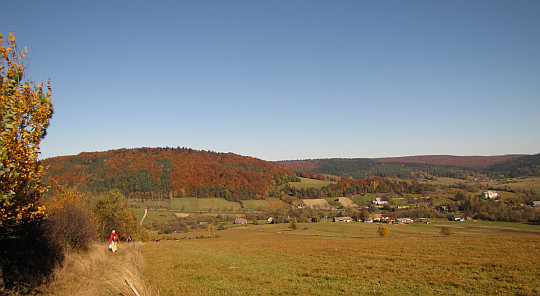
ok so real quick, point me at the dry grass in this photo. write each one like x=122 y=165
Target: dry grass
x=270 y=260
x=318 y=204
x=347 y=203
x=100 y=272
x=268 y=203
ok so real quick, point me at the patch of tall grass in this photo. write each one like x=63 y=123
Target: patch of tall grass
x=100 y=272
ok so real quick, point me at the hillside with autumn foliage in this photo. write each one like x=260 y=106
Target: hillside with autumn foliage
x=178 y=172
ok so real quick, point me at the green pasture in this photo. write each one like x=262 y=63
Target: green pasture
x=264 y=204
x=154 y=215
x=204 y=204
x=308 y=183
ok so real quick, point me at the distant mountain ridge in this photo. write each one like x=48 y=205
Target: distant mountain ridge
x=421 y=166
x=451 y=160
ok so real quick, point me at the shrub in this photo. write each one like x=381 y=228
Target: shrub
x=383 y=231
x=73 y=227
x=446 y=231
x=294 y=224
x=28 y=254
x=70 y=220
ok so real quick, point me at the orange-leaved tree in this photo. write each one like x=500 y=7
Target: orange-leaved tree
x=27 y=254
x=25 y=110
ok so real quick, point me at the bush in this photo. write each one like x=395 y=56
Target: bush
x=294 y=224
x=446 y=231
x=72 y=226
x=28 y=254
x=70 y=219
x=383 y=231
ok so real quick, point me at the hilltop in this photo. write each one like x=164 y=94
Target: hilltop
x=169 y=171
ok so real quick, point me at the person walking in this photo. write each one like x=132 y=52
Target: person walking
x=113 y=241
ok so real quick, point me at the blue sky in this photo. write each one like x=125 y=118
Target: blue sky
x=287 y=79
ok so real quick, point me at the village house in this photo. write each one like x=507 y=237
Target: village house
x=404 y=220
x=379 y=218
x=379 y=203
x=178 y=229
x=490 y=194
x=240 y=221
x=458 y=218
x=343 y=219
x=536 y=203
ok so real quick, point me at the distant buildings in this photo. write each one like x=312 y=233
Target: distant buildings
x=240 y=221
x=379 y=203
x=404 y=221
x=343 y=219
x=490 y=194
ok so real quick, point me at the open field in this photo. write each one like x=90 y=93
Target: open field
x=154 y=215
x=527 y=183
x=318 y=204
x=264 y=204
x=347 y=203
x=350 y=259
x=518 y=183
x=307 y=183
x=205 y=204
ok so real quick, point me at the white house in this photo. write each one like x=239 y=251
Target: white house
x=404 y=220
x=379 y=202
x=490 y=194
x=342 y=219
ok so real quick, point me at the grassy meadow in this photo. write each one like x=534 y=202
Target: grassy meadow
x=349 y=259
x=308 y=183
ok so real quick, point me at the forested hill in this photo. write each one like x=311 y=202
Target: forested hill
x=421 y=166
x=180 y=171
x=451 y=160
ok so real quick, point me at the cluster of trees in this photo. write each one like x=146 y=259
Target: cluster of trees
x=182 y=171
x=348 y=186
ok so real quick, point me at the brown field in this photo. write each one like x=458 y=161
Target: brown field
x=479 y=258
x=317 y=204
x=347 y=203
x=268 y=203
x=337 y=259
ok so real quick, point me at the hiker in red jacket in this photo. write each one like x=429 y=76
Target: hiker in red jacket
x=113 y=241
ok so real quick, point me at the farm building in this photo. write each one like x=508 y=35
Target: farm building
x=404 y=221
x=458 y=218
x=343 y=219
x=490 y=194
x=379 y=218
x=379 y=203
x=240 y=221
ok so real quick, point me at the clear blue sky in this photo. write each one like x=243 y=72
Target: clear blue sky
x=287 y=79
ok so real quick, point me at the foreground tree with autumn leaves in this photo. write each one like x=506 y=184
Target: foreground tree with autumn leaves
x=25 y=111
